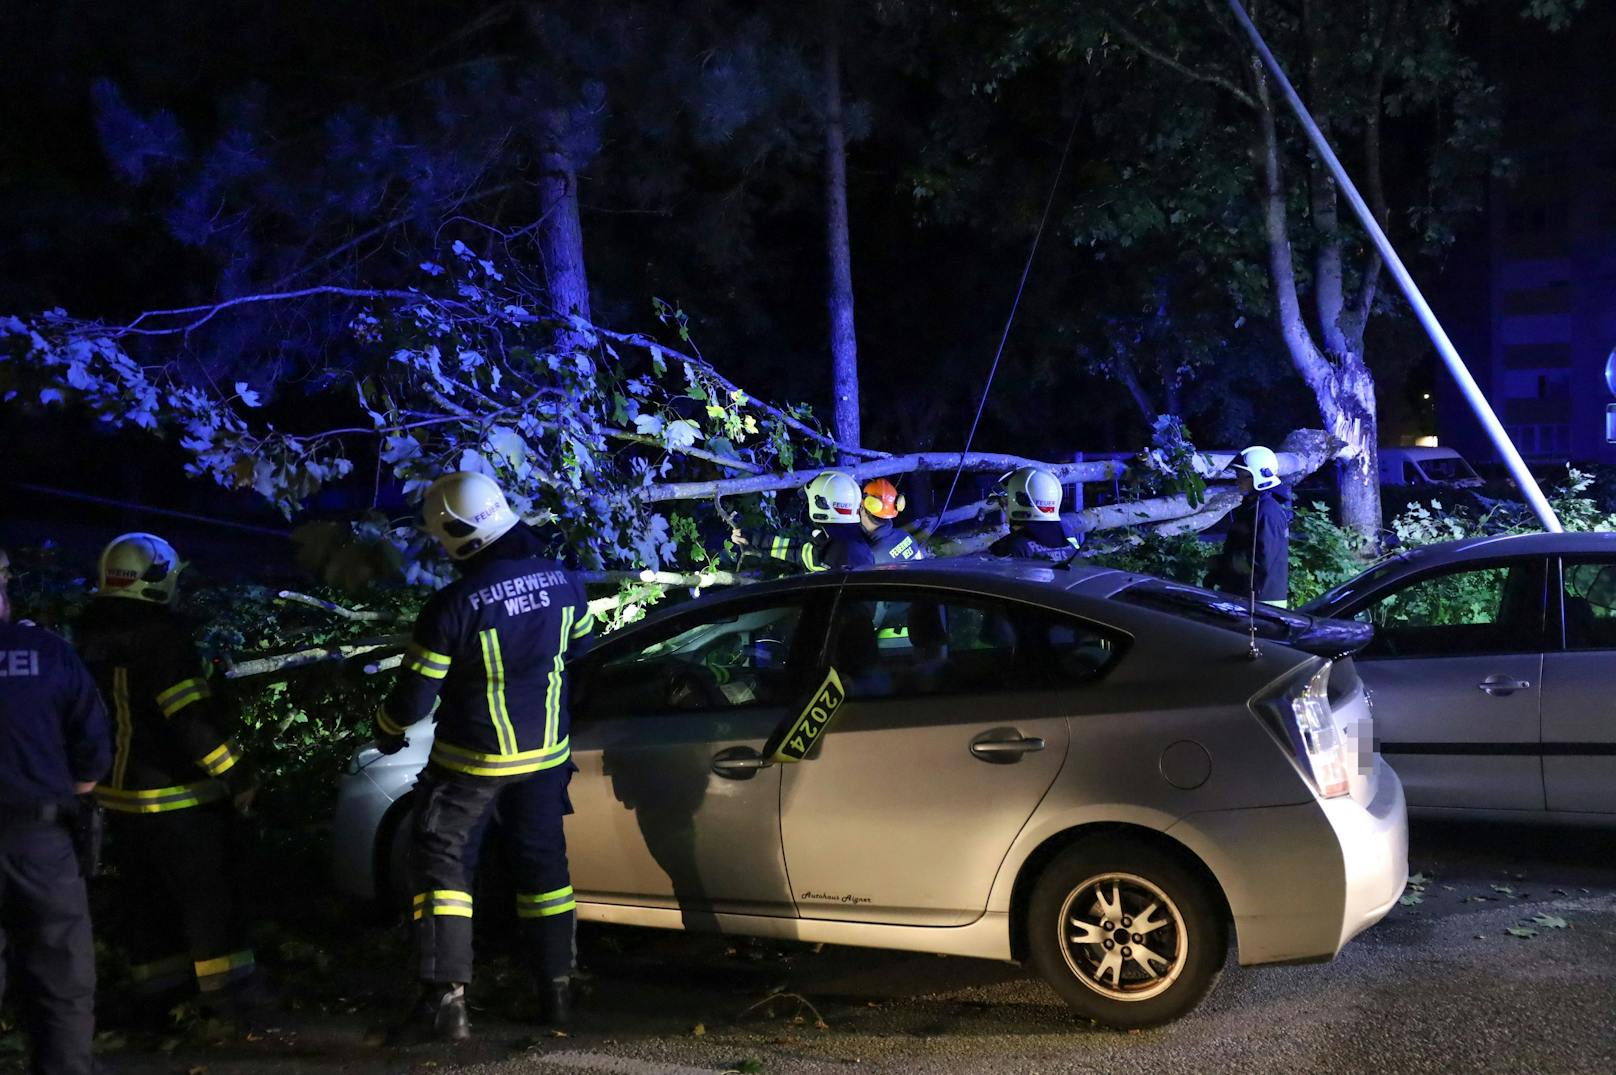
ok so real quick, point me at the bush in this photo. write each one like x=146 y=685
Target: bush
x=1324 y=555
x=1182 y=557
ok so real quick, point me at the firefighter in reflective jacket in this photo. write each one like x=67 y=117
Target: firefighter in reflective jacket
x=854 y=528
x=1032 y=500
x=54 y=746
x=1255 y=560
x=494 y=645
x=175 y=777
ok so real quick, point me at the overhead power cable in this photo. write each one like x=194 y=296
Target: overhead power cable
x=1015 y=304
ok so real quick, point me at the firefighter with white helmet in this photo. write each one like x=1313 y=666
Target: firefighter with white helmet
x=1255 y=561
x=855 y=527
x=1032 y=502
x=175 y=776
x=492 y=646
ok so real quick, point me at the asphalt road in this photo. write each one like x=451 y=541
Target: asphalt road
x=1439 y=986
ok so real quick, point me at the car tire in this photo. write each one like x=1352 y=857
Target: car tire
x=1128 y=934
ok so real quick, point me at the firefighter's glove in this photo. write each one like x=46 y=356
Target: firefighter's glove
x=242 y=783
x=391 y=744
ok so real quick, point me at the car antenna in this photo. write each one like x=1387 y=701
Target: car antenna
x=1254 y=651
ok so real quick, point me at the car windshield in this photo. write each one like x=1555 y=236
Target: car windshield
x=1215 y=609
x=1355 y=585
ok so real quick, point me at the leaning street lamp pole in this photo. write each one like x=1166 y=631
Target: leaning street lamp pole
x=1433 y=328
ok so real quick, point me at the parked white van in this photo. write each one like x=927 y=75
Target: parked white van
x=1427 y=466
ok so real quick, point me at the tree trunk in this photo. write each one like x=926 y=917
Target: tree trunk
x=1122 y=368
x=1341 y=384
x=1360 y=472
x=843 y=343
x=560 y=236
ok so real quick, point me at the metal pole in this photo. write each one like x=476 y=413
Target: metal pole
x=1433 y=328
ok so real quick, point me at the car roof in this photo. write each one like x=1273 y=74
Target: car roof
x=1467 y=550
x=1026 y=579
x=1485 y=548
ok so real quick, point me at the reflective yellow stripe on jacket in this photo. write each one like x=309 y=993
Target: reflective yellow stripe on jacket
x=494 y=670
x=385 y=724
x=219 y=761
x=552 y=696
x=182 y=694
x=126 y=724
x=160 y=800
x=474 y=763
x=432 y=665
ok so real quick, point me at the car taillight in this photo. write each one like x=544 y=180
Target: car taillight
x=1301 y=711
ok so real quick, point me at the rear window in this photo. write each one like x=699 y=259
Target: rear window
x=1214 y=609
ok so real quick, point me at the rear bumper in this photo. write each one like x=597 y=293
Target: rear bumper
x=1303 y=880
x=1374 y=850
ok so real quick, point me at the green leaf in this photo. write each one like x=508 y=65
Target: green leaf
x=1549 y=921
x=1411 y=898
x=1522 y=932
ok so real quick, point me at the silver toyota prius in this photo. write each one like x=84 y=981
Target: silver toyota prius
x=1492 y=669
x=1104 y=775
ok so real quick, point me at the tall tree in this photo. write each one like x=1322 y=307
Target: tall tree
x=843 y=342
x=1194 y=159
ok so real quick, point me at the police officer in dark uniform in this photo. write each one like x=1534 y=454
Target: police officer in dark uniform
x=494 y=645
x=54 y=746
x=1038 y=531
x=836 y=504
x=1255 y=559
x=175 y=778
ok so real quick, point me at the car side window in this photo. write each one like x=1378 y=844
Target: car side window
x=1590 y=605
x=718 y=659
x=1478 y=610
x=915 y=644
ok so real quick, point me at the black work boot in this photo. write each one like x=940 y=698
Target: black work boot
x=440 y=1015
x=555 y=1002
x=251 y=1002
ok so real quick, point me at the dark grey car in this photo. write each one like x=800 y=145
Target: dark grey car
x=1493 y=673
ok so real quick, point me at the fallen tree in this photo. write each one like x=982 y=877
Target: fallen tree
x=1302 y=453
x=624 y=445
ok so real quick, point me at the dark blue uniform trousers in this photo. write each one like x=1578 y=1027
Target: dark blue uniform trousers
x=45 y=942
x=452 y=814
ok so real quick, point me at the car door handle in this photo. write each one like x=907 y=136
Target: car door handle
x=1006 y=749
x=1503 y=686
x=739 y=763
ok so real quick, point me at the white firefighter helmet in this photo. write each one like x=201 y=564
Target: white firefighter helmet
x=1261 y=464
x=466 y=511
x=1031 y=494
x=833 y=497
x=141 y=566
